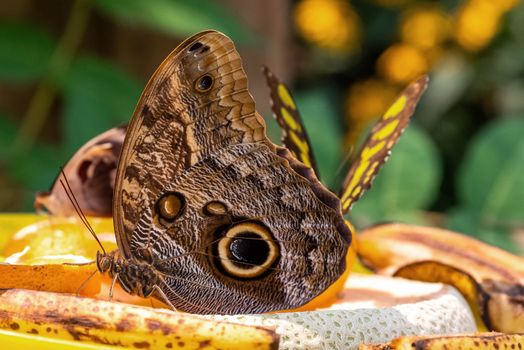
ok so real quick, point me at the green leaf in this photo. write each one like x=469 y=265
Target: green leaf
x=318 y=110
x=38 y=169
x=178 y=17
x=407 y=184
x=98 y=96
x=25 y=52
x=490 y=181
x=466 y=221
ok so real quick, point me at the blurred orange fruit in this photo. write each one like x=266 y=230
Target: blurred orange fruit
x=425 y=27
x=477 y=23
x=330 y=24
x=402 y=63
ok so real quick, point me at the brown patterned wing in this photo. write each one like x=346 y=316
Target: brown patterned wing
x=285 y=111
x=375 y=151
x=195 y=103
x=289 y=226
x=205 y=205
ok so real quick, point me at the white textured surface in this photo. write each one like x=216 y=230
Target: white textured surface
x=346 y=328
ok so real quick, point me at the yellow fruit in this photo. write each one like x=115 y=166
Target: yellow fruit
x=479 y=341
x=387 y=247
x=492 y=280
x=57 y=240
x=94 y=321
x=17 y=340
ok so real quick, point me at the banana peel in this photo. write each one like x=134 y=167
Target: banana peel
x=54 y=254
x=432 y=271
x=17 y=340
x=79 y=319
x=504 y=306
x=479 y=341
x=384 y=248
x=49 y=232
x=436 y=307
x=490 y=279
x=61 y=278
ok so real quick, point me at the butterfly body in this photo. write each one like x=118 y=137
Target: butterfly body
x=135 y=278
x=210 y=216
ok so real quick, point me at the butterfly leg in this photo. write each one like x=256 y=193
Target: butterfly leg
x=164 y=297
x=111 y=289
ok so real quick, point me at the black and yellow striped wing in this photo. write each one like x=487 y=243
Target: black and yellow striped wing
x=294 y=136
x=379 y=143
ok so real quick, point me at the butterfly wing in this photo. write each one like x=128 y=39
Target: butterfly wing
x=379 y=143
x=228 y=222
x=175 y=125
x=285 y=111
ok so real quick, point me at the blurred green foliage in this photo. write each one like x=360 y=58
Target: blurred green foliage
x=95 y=94
x=25 y=52
x=463 y=157
x=180 y=17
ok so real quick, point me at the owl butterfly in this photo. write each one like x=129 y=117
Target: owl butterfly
x=375 y=150
x=209 y=215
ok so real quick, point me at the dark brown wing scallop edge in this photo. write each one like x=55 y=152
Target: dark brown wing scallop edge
x=322 y=193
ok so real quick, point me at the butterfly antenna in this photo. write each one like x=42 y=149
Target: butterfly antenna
x=69 y=192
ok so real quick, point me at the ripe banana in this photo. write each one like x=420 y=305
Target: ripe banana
x=17 y=340
x=359 y=315
x=492 y=280
x=485 y=341
x=63 y=278
x=109 y=323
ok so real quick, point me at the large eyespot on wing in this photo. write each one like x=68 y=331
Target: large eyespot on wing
x=285 y=111
x=196 y=103
x=255 y=236
x=379 y=143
